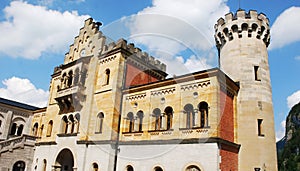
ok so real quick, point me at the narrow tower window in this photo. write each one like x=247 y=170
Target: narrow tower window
x=100 y=118
x=257 y=73
x=259 y=127
x=107 y=75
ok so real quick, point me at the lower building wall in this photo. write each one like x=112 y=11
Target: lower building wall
x=9 y=158
x=84 y=155
x=229 y=158
x=174 y=157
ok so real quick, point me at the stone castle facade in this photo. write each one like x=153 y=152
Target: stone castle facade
x=111 y=107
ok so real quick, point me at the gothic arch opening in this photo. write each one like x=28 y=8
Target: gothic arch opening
x=64 y=160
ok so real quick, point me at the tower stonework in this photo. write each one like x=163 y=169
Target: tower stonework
x=242 y=40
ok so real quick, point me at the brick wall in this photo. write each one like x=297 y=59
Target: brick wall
x=227 y=117
x=229 y=158
x=136 y=76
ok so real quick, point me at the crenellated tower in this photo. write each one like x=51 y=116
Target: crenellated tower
x=242 y=39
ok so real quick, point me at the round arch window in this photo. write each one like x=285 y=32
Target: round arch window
x=129 y=168
x=157 y=168
x=19 y=166
x=193 y=168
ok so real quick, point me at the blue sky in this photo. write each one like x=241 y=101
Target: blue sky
x=35 y=35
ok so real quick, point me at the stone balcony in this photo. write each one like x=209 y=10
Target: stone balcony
x=68 y=91
x=17 y=142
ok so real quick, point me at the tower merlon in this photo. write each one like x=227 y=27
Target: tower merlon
x=235 y=25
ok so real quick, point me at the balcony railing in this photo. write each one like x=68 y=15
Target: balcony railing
x=17 y=142
x=68 y=91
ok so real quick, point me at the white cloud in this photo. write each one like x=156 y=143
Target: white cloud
x=22 y=90
x=30 y=30
x=297 y=58
x=293 y=99
x=285 y=24
x=281 y=132
x=174 y=26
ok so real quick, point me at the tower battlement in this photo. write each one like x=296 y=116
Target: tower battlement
x=242 y=24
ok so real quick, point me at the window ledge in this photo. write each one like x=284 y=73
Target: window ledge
x=136 y=132
x=182 y=129
x=163 y=130
x=67 y=135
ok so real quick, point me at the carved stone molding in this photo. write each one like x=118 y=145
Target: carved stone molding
x=195 y=85
x=163 y=91
x=136 y=97
x=108 y=59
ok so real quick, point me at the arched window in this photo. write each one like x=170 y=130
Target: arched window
x=244 y=27
x=76 y=76
x=157 y=168
x=203 y=109
x=107 y=76
x=99 y=126
x=19 y=166
x=95 y=167
x=64 y=124
x=140 y=116
x=1 y=123
x=77 y=122
x=130 y=117
x=13 y=129
x=129 y=168
x=83 y=76
x=190 y=115
x=63 y=81
x=71 y=119
x=192 y=168
x=169 y=114
x=41 y=131
x=158 y=118
x=35 y=129
x=49 y=128
x=20 y=130
x=70 y=78
x=44 y=165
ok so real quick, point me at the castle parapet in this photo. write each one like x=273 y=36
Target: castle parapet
x=135 y=53
x=242 y=24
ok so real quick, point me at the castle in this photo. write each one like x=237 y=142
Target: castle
x=111 y=107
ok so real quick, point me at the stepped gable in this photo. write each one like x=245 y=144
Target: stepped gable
x=233 y=25
x=135 y=54
x=90 y=41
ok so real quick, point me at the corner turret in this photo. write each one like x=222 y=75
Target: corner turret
x=242 y=39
